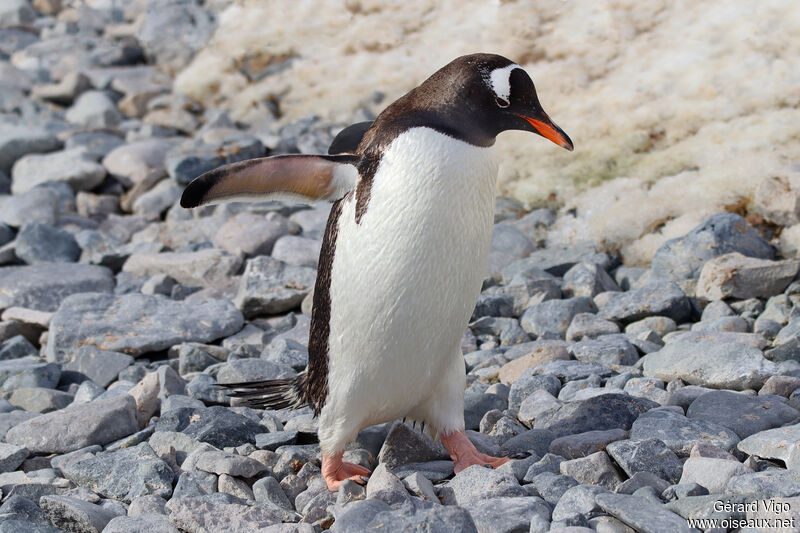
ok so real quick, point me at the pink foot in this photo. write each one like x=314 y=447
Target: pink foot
x=334 y=470
x=464 y=453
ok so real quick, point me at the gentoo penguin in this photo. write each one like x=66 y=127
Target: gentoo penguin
x=403 y=256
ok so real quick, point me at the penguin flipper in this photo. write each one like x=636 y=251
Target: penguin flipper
x=347 y=141
x=302 y=178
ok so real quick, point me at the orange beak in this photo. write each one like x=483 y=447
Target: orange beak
x=550 y=131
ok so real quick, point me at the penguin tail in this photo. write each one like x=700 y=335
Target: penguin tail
x=268 y=394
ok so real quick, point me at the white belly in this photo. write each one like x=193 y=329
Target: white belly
x=405 y=279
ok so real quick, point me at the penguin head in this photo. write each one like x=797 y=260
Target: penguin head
x=492 y=94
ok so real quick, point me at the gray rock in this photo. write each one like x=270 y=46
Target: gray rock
x=207 y=267
x=507 y=330
x=75 y=427
x=124 y=474
x=432 y=470
x=557 y=260
x=6 y=233
x=607 y=350
x=145 y=523
x=587 y=279
x=579 y=500
x=586 y=326
x=508 y=240
x=684 y=257
x=385 y=486
x=276 y=439
x=13 y=418
x=45 y=286
x=268 y=490
x=477 y=483
x=219 y=462
x=158 y=199
x=252 y=234
x=40 y=400
x=594 y=469
x=493 y=305
x=711 y=472
x=404 y=445
x=657 y=298
x=73 y=167
x=94 y=109
x=40 y=243
x=608 y=411
x=96 y=143
x=507 y=515
x=136 y=323
x=734 y=275
x=551 y=319
x=100 y=366
x=37 y=205
x=649 y=455
x=744 y=414
x=194 y=483
x=286 y=352
x=297 y=250
x=252 y=370
x=74 y=514
x=769 y=482
x=535 y=441
x=641 y=514
x=11 y=456
x=16 y=141
x=172 y=31
x=218 y=426
x=23 y=509
x=715 y=364
x=529 y=382
x=572 y=370
x=27 y=372
x=216 y=514
x=192 y=358
x=376 y=515
x=680 y=433
x=420 y=486
x=661 y=325
x=16 y=13
x=270 y=286
x=552 y=486
x=779 y=443
x=587 y=443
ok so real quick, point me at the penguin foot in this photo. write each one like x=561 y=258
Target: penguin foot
x=335 y=471
x=464 y=453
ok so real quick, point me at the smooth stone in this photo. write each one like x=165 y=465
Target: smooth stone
x=143 y=523
x=609 y=411
x=528 y=383
x=727 y=365
x=269 y=286
x=75 y=427
x=384 y=485
x=594 y=469
x=137 y=323
x=220 y=462
x=11 y=456
x=100 y=366
x=76 y=514
x=558 y=259
x=17 y=141
x=587 y=279
x=650 y=455
x=711 y=472
x=579 y=500
x=680 y=433
x=74 y=167
x=683 y=257
x=607 y=350
x=216 y=425
x=28 y=372
x=737 y=276
x=40 y=400
x=551 y=319
x=744 y=414
x=94 y=109
x=552 y=486
x=40 y=243
x=784 y=483
x=404 y=445
x=507 y=514
x=476 y=483
x=252 y=234
x=23 y=509
x=205 y=513
x=372 y=514
x=587 y=443
x=124 y=474
x=202 y=268
x=641 y=514
x=585 y=326
x=658 y=298
x=780 y=443
x=530 y=355
x=44 y=286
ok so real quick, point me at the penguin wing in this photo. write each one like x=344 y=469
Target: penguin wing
x=347 y=141
x=301 y=178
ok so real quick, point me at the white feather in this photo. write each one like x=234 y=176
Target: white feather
x=500 y=81
x=404 y=284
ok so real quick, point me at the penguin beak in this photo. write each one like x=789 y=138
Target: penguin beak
x=547 y=129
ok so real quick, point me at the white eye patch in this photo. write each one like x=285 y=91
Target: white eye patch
x=500 y=81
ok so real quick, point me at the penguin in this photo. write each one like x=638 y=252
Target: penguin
x=403 y=257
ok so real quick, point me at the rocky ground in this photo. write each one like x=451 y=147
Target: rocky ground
x=631 y=398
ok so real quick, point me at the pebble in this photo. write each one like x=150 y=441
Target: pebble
x=270 y=286
x=744 y=414
x=641 y=514
x=594 y=469
x=680 y=433
x=780 y=443
x=649 y=455
x=586 y=326
x=711 y=473
x=73 y=167
x=507 y=514
x=209 y=267
x=654 y=299
x=609 y=411
x=587 y=279
x=586 y=443
x=551 y=319
x=607 y=350
x=737 y=276
x=578 y=500
x=477 y=483
x=66 y=511
x=40 y=243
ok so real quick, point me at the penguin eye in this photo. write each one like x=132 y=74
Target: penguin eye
x=502 y=102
